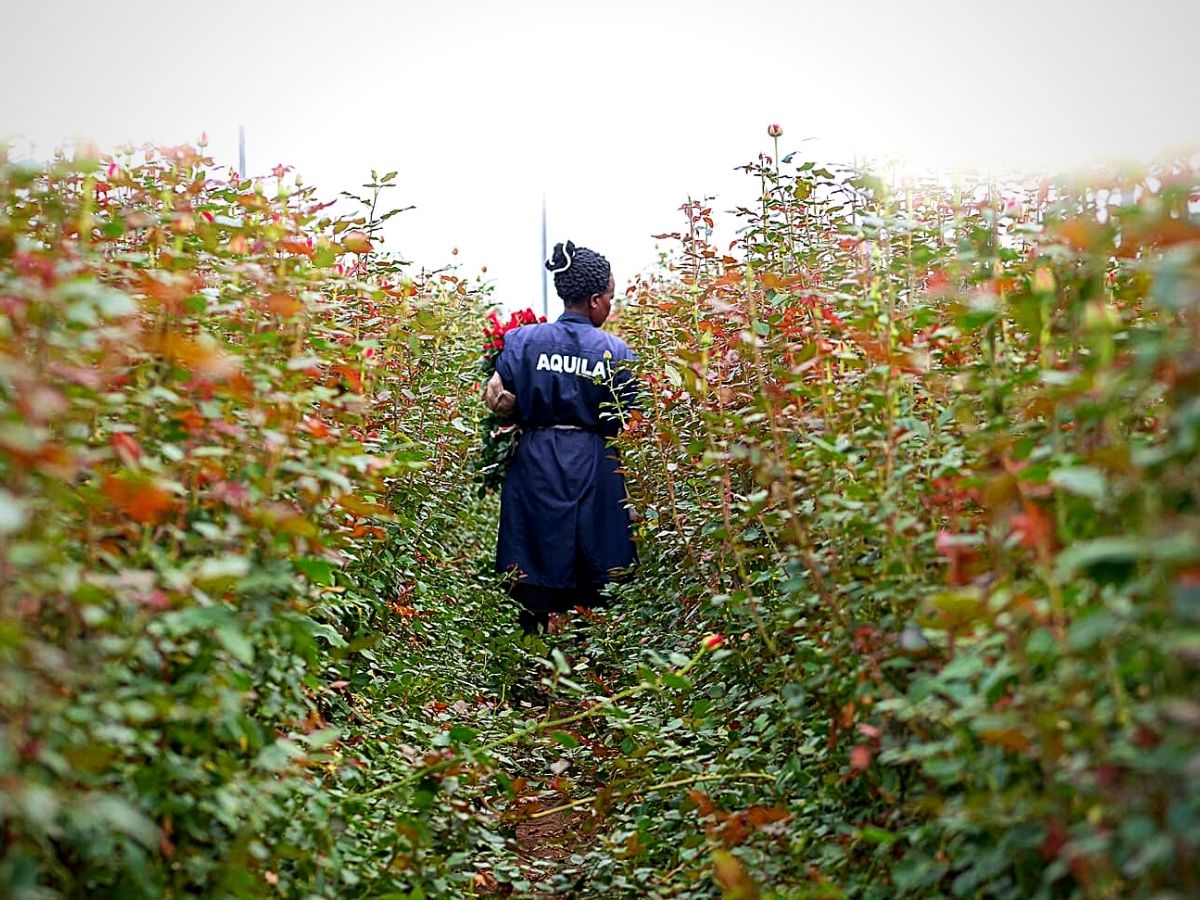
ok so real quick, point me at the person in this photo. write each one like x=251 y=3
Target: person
x=564 y=518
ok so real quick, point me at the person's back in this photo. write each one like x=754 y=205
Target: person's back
x=567 y=372
x=564 y=527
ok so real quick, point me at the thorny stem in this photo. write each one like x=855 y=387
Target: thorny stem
x=661 y=786
x=802 y=538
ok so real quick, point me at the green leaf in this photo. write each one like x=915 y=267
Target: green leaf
x=1101 y=550
x=318 y=571
x=564 y=739
x=327 y=631
x=962 y=666
x=322 y=738
x=13 y=513
x=1085 y=481
x=123 y=817
x=678 y=682
x=462 y=734
x=1091 y=630
x=222 y=571
x=874 y=835
x=234 y=640
x=277 y=755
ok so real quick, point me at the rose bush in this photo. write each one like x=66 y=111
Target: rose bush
x=918 y=605
x=213 y=402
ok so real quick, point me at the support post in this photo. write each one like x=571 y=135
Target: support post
x=545 y=273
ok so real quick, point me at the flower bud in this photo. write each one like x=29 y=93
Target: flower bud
x=712 y=642
x=774 y=130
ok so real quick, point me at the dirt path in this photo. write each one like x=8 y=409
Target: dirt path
x=545 y=843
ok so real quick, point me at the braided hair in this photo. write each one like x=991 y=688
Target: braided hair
x=578 y=273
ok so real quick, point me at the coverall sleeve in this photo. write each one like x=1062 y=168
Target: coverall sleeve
x=505 y=363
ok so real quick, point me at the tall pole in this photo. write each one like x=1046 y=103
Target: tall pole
x=545 y=274
x=242 y=151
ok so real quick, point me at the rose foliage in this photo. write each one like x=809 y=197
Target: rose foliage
x=919 y=604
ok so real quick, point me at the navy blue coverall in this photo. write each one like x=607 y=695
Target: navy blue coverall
x=564 y=525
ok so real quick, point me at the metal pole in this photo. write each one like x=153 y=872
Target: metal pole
x=242 y=151
x=545 y=273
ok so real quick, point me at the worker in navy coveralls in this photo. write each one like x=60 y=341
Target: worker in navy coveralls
x=564 y=517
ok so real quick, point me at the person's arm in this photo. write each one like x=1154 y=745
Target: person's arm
x=503 y=403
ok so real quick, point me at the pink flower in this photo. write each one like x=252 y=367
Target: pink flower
x=944 y=543
x=774 y=130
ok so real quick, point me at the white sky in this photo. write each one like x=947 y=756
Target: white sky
x=616 y=109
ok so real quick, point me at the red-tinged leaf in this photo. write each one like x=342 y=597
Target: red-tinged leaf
x=704 y=806
x=1081 y=234
x=1008 y=738
x=284 y=305
x=349 y=377
x=42 y=403
x=732 y=877
x=1055 y=839
x=57 y=462
x=360 y=507
x=192 y=420
x=776 y=282
x=204 y=359
x=759 y=816
x=128 y=450
x=299 y=248
x=84 y=376
x=314 y=426
x=356 y=242
x=139 y=497
x=230 y=493
x=167 y=289
x=860 y=757
x=1034 y=528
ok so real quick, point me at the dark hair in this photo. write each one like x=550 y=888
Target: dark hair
x=578 y=273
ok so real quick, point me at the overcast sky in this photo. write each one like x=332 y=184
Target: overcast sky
x=616 y=110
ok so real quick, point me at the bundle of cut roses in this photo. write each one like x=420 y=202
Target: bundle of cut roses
x=498 y=432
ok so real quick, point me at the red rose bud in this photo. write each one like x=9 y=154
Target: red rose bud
x=774 y=130
x=712 y=641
